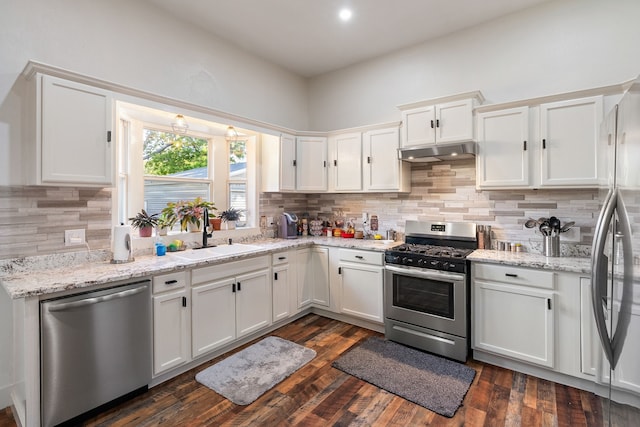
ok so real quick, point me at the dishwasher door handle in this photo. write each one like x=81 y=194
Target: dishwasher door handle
x=96 y=300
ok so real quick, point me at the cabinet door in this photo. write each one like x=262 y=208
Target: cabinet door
x=381 y=164
x=304 y=276
x=514 y=321
x=311 y=169
x=503 y=148
x=569 y=131
x=253 y=301
x=626 y=375
x=346 y=162
x=361 y=291
x=454 y=121
x=589 y=342
x=75 y=133
x=170 y=331
x=319 y=264
x=213 y=315
x=287 y=162
x=281 y=291
x=419 y=126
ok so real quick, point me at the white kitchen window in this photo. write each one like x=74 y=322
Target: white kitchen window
x=176 y=167
x=157 y=166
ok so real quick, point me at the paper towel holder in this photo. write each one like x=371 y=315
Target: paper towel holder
x=129 y=247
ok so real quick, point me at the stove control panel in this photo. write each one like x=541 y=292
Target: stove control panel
x=422 y=261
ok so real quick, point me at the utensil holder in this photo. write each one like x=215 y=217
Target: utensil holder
x=551 y=246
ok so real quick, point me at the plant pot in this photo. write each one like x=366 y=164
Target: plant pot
x=145 y=231
x=230 y=225
x=194 y=228
x=216 y=223
x=162 y=231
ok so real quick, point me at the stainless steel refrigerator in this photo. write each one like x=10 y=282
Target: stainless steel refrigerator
x=615 y=276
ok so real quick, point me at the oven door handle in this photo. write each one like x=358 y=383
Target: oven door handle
x=425 y=274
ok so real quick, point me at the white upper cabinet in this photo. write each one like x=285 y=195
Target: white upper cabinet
x=439 y=121
x=382 y=170
x=311 y=163
x=70 y=134
x=278 y=162
x=569 y=132
x=345 y=162
x=504 y=148
x=549 y=145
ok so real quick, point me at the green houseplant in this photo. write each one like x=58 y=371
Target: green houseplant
x=144 y=223
x=230 y=216
x=188 y=213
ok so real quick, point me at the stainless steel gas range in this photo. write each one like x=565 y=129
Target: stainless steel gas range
x=427 y=288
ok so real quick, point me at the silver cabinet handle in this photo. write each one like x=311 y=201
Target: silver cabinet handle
x=96 y=300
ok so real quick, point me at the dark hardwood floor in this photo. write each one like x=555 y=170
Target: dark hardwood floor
x=319 y=395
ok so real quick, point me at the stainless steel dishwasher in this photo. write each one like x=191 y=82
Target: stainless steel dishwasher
x=94 y=347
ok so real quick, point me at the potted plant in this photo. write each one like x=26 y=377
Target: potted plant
x=188 y=213
x=144 y=223
x=230 y=216
x=165 y=222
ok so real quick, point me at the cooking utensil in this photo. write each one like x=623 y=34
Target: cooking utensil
x=531 y=223
x=567 y=226
x=545 y=230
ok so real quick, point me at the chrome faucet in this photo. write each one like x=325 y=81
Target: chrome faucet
x=205 y=235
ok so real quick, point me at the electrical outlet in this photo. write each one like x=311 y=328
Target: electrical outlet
x=270 y=221
x=74 y=237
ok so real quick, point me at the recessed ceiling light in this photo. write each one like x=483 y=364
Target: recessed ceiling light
x=345 y=14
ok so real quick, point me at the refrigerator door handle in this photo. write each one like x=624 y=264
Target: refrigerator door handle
x=626 y=300
x=599 y=272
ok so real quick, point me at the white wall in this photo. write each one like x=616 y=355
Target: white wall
x=560 y=46
x=129 y=43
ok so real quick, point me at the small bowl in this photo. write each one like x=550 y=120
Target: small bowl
x=347 y=235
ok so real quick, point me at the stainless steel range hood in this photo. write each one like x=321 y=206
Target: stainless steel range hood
x=438 y=152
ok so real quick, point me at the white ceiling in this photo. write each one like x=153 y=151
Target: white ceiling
x=306 y=36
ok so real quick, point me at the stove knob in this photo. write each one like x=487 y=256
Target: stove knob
x=404 y=260
x=451 y=266
x=420 y=261
x=434 y=263
x=409 y=260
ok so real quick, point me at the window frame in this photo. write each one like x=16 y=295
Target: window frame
x=129 y=190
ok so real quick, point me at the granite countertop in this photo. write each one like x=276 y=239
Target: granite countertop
x=50 y=275
x=580 y=265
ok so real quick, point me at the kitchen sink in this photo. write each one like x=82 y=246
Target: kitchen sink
x=215 y=251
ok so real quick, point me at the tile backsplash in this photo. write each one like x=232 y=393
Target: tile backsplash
x=33 y=219
x=446 y=191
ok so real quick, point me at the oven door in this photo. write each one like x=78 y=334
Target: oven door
x=428 y=298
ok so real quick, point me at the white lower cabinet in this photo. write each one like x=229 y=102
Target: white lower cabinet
x=361 y=277
x=589 y=344
x=281 y=285
x=213 y=304
x=511 y=318
x=626 y=375
x=313 y=276
x=229 y=300
x=170 y=322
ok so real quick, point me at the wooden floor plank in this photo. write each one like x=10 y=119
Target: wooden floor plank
x=320 y=395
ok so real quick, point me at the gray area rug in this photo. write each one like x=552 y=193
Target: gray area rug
x=430 y=381
x=246 y=375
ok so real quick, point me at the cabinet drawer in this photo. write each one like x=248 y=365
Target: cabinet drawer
x=364 y=257
x=514 y=275
x=168 y=282
x=280 y=258
x=228 y=269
